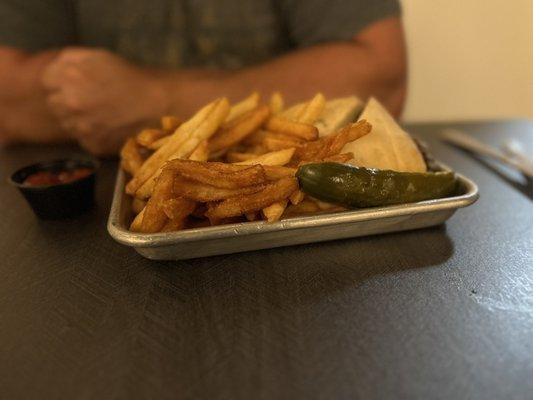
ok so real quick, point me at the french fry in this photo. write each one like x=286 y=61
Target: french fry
x=147 y=137
x=339 y=158
x=173 y=225
x=236 y=206
x=293 y=112
x=275 y=172
x=219 y=174
x=276 y=103
x=256 y=138
x=178 y=208
x=244 y=106
x=154 y=218
x=169 y=123
x=247 y=124
x=137 y=222
x=205 y=193
x=274 y=212
x=131 y=157
x=137 y=205
x=251 y=216
x=234 y=156
x=184 y=148
x=297 y=197
x=159 y=143
x=201 y=153
x=280 y=142
x=312 y=110
x=174 y=142
x=332 y=144
x=279 y=158
x=302 y=208
x=299 y=130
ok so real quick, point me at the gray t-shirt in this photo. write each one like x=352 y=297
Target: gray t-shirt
x=174 y=33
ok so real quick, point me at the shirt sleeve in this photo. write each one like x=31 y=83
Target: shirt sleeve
x=314 y=21
x=34 y=25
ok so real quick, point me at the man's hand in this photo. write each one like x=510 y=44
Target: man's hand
x=99 y=98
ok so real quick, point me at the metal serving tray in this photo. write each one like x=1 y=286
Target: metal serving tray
x=246 y=236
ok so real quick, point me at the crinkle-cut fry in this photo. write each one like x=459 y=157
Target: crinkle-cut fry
x=298 y=130
x=219 y=174
x=174 y=142
x=280 y=157
x=202 y=192
x=274 y=212
x=201 y=153
x=247 y=124
x=137 y=205
x=235 y=156
x=159 y=143
x=147 y=137
x=235 y=206
x=332 y=144
x=169 y=123
x=154 y=217
x=131 y=159
x=178 y=208
x=297 y=197
x=135 y=225
x=275 y=143
x=242 y=107
x=312 y=110
x=339 y=158
x=201 y=132
x=276 y=103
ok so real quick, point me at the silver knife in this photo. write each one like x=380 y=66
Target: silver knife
x=468 y=142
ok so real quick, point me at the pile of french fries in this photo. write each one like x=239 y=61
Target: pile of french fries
x=229 y=164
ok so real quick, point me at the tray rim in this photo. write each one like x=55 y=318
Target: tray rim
x=142 y=240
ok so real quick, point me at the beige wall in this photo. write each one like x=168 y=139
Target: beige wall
x=469 y=59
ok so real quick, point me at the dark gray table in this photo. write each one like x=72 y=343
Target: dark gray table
x=441 y=313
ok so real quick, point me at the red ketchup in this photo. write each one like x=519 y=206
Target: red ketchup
x=47 y=178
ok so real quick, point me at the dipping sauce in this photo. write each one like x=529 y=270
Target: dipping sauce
x=47 y=178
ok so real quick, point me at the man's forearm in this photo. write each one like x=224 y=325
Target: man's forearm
x=336 y=69
x=24 y=116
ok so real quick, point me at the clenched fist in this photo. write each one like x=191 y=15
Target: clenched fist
x=100 y=98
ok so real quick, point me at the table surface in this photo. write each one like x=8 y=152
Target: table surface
x=440 y=313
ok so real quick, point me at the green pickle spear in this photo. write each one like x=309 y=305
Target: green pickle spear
x=362 y=187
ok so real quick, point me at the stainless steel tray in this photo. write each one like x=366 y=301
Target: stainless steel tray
x=246 y=236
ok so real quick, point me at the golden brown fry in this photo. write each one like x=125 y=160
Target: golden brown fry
x=297 y=197
x=280 y=142
x=147 y=137
x=131 y=157
x=137 y=205
x=274 y=172
x=174 y=225
x=295 y=129
x=164 y=153
x=137 y=222
x=244 y=106
x=201 y=153
x=280 y=157
x=302 y=208
x=235 y=206
x=154 y=217
x=178 y=208
x=204 y=193
x=234 y=156
x=179 y=147
x=219 y=174
x=169 y=123
x=235 y=133
x=310 y=113
x=339 y=158
x=276 y=103
x=274 y=212
x=159 y=143
x=331 y=145
x=256 y=138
